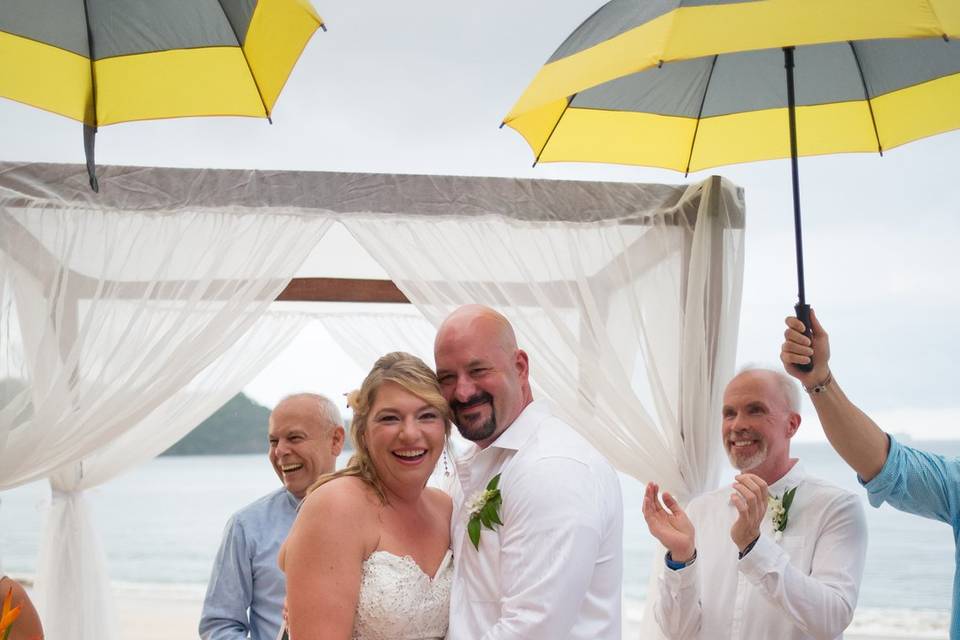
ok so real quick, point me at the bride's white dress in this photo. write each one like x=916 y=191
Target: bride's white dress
x=398 y=601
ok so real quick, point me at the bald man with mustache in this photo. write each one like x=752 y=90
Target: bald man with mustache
x=553 y=568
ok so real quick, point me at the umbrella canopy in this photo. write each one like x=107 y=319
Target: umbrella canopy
x=107 y=61
x=627 y=36
x=657 y=83
x=695 y=114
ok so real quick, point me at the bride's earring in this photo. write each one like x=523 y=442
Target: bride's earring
x=446 y=467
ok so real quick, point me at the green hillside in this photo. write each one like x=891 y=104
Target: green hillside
x=240 y=426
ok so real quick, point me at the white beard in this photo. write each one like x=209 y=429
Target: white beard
x=744 y=462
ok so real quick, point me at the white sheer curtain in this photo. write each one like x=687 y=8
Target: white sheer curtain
x=630 y=322
x=72 y=586
x=106 y=314
x=106 y=317
x=367 y=336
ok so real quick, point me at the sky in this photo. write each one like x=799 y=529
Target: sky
x=422 y=87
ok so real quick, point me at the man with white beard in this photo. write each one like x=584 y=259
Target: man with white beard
x=779 y=554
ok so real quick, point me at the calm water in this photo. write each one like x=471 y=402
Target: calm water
x=162 y=524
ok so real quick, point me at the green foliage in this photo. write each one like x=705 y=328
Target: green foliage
x=787 y=501
x=473 y=528
x=488 y=514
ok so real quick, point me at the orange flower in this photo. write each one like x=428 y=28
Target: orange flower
x=8 y=615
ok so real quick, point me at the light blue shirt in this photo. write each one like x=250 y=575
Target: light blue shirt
x=246 y=590
x=927 y=485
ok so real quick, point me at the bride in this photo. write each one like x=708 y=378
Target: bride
x=368 y=557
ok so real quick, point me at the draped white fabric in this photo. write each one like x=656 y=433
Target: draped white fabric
x=106 y=314
x=630 y=322
x=71 y=581
x=107 y=317
x=367 y=336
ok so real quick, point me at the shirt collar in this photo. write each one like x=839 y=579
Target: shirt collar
x=515 y=435
x=521 y=429
x=789 y=480
x=294 y=501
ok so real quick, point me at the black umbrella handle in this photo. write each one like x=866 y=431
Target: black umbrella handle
x=803 y=315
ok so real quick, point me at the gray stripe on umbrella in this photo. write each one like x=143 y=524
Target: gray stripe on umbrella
x=60 y=23
x=619 y=16
x=124 y=27
x=755 y=80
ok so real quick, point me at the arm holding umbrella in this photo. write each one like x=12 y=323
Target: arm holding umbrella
x=854 y=435
x=908 y=479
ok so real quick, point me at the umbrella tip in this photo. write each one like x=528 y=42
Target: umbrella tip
x=323 y=27
x=660 y=64
x=501 y=125
x=269 y=119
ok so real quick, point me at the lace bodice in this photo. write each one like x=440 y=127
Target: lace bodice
x=398 y=601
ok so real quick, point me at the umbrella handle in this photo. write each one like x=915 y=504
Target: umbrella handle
x=803 y=315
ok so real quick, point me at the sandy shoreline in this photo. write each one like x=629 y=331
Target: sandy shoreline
x=153 y=616
x=158 y=612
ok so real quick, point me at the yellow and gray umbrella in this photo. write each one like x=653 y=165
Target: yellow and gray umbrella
x=689 y=85
x=108 y=61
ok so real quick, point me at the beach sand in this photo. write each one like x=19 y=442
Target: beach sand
x=158 y=612
x=173 y=613
x=168 y=614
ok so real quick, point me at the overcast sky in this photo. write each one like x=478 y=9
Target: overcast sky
x=422 y=87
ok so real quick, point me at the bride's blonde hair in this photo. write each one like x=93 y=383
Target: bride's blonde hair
x=402 y=369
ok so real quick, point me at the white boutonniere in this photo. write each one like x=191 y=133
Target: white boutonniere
x=484 y=510
x=780 y=511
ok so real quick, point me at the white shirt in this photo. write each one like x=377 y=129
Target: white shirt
x=554 y=569
x=804 y=586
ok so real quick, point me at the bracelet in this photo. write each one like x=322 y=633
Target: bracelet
x=747 y=549
x=675 y=565
x=820 y=387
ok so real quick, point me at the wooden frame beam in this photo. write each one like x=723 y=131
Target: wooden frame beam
x=342 y=290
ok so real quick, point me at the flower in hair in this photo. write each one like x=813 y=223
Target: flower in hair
x=352 y=398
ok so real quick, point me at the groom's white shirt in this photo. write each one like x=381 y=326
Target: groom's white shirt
x=554 y=569
x=805 y=586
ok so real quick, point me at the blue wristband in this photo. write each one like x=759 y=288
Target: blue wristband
x=673 y=565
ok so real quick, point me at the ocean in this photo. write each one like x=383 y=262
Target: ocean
x=161 y=524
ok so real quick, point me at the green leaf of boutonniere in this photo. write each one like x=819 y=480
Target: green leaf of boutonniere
x=787 y=501
x=473 y=529
x=484 y=510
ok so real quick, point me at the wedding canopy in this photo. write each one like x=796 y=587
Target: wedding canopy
x=128 y=316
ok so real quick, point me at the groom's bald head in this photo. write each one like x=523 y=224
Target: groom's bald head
x=483 y=374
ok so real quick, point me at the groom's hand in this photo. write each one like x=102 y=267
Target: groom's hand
x=670 y=526
x=750 y=498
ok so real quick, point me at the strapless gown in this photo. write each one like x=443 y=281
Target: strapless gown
x=398 y=601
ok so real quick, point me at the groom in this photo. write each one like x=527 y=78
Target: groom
x=553 y=569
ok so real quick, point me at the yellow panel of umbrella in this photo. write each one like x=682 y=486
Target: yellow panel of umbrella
x=659 y=84
x=102 y=62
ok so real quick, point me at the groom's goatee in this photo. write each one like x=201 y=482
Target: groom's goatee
x=480 y=432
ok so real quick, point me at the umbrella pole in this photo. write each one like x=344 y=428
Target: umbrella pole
x=802 y=308
x=90 y=130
